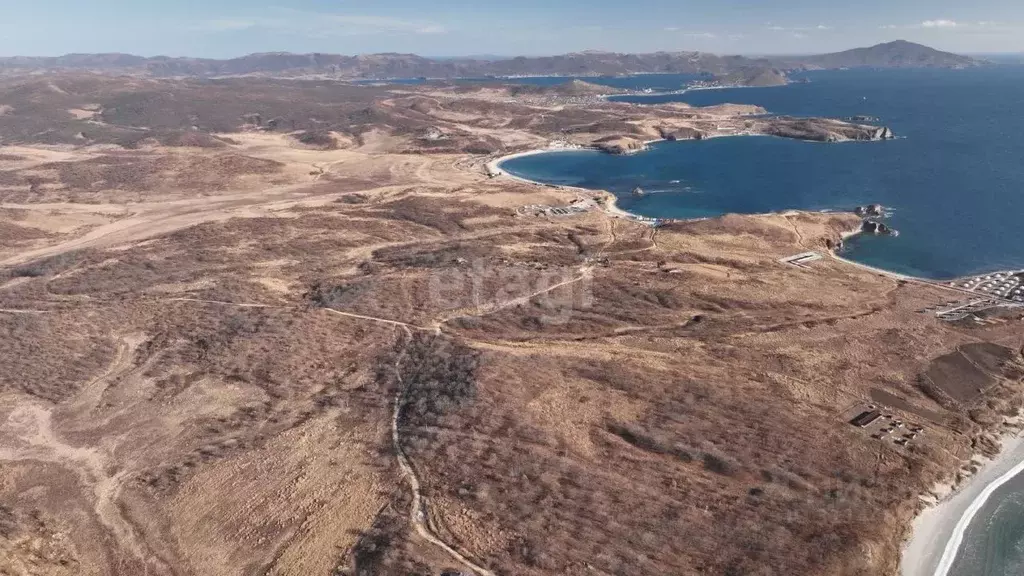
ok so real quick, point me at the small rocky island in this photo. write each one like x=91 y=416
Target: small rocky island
x=871 y=214
x=878 y=229
x=870 y=211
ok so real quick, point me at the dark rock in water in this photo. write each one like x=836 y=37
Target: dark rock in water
x=638 y=191
x=877 y=228
x=870 y=211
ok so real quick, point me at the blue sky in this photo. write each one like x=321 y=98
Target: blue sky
x=226 y=28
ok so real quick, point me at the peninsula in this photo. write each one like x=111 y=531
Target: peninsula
x=260 y=325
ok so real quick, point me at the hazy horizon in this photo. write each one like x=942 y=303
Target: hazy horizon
x=454 y=28
x=482 y=56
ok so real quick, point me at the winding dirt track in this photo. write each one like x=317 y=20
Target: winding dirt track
x=28 y=434
x=418 y=514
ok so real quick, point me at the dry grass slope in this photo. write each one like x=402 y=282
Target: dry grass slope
x=204 y=309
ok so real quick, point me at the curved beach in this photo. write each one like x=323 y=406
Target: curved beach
x=938 y=531
x=611 y=200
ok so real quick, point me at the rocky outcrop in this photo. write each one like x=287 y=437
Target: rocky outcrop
x=883 y=133
x=620 y=145
x=870 y=211
x=823 y=130
x=685 y=133
x=877 y=228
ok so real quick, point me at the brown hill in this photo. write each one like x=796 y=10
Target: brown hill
x=389 y=65
x=898 y=54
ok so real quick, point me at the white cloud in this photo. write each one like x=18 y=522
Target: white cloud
x=320 y=24
x=798 y=29
x=938 y=24
x=953 y=25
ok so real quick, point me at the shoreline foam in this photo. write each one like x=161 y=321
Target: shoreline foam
x=611 y=200
x=937 y=532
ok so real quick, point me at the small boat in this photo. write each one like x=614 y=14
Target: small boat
x=638 y=191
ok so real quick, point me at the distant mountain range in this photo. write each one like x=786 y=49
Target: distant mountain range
x=381 y=66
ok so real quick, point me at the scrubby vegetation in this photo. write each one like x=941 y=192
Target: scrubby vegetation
x=437 y=374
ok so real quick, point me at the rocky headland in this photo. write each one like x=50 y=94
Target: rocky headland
x=752 y=78
x=685 y=133
x=620 y=145
x=824 y=130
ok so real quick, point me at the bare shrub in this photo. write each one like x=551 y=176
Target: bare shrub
x=439 y=375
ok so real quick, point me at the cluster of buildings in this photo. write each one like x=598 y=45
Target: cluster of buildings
x=577 y=206
x=1006 y=285
x=889 y=426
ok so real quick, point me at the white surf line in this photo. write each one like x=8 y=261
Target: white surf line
x=956 y=539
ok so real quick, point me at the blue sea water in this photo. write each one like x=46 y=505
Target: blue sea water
x=954 y=179
x=993 y=544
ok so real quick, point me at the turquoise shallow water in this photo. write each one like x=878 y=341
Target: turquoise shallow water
x=955 y=178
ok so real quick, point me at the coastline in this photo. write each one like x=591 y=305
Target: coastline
x=937 y=531
x=686 y=90
x=610 y=205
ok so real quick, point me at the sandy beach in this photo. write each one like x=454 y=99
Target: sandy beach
x=939 y=530
x=494 y=166
x=611 y=200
